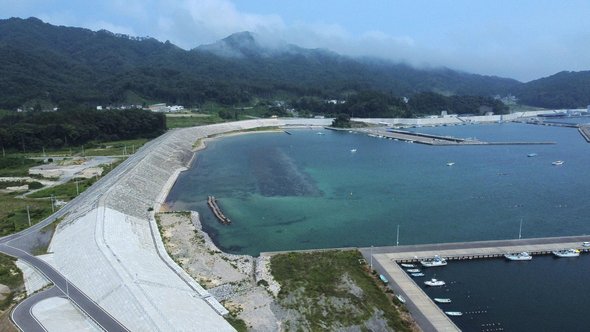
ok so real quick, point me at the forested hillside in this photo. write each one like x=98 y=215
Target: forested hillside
x=65 y=66
x=35 y=130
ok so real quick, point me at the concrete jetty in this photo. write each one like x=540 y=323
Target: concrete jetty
x=430 y=139
x=426 y=313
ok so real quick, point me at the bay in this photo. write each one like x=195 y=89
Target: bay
x=303 y=191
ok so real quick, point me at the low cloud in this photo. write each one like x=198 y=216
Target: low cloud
x=491 y=48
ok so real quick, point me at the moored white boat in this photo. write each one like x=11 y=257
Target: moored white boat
x=566 y=253
x=413 y=270
x=419 y=274
x=411 y=266
x=436 y=261
x=442 y=300
x=434 y=283
x=521 y=256
x=454 y=313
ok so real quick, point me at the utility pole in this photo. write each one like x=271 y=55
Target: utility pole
x=29 y=215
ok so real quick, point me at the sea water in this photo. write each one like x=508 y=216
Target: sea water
x=340 y=189
x=545 y=294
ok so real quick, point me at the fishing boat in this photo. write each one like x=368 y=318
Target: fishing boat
x=411 y=266
x=352 y=150
x=454 y=313
x=400 y=298
x=521 y=256
x=442 y=300
x=434 y=283
x=383 y=278
x=419 y=274
x=413 y=270
x=531 y=155
x=450 y=163
x=557 y=162
x=436 y=261
x=566 y=253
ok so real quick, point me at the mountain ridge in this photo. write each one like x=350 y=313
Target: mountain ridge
x=68 y=64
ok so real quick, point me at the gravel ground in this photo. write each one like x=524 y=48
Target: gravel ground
x=231 y=279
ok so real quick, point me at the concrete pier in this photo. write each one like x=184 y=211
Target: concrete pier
x=426 y=313
x=429 y=139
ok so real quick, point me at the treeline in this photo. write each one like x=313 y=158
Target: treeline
x=35 y=130
x=374 y=104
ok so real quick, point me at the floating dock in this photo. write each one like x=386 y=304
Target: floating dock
x=212 y=202
x=427 y=314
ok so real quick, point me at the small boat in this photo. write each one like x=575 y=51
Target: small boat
x=383 y=278
x=400 y=298
x=353 y=150
x=413 y=270
x=442 y=300
x=521 y=256
x=411 y=266
x=434 y=283
x=450 y=164
x=566 y=253
x=320 y=133
x=557 y=162
x=531 y=155
x=419 y=274
x=436 y=261
x=454 y=313
x=585 y=244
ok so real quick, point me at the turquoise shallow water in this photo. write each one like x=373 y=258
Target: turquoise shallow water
x=310 y=191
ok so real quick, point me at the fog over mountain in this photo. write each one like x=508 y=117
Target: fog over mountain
x=40 y=61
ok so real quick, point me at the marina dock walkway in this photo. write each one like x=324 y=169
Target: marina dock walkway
x=426 y=313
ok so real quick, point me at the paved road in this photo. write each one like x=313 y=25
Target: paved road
x=22 y=313
x=9 y=246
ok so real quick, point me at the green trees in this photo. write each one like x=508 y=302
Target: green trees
x=33 y=131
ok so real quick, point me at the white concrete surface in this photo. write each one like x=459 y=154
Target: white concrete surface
x=57 y=314
x=34 y=280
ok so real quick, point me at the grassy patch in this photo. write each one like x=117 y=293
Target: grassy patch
x=115 y=148
x=16 y=165
x=312 y=284
x=237 y=323
x=11 y=276
x=191 y=121
x=13 y=213
x=64 y=191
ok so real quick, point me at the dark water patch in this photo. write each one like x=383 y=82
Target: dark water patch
x=277 y=174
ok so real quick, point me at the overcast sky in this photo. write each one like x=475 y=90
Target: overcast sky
x=522 y=39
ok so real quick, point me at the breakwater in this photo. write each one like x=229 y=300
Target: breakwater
x=212 y=202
